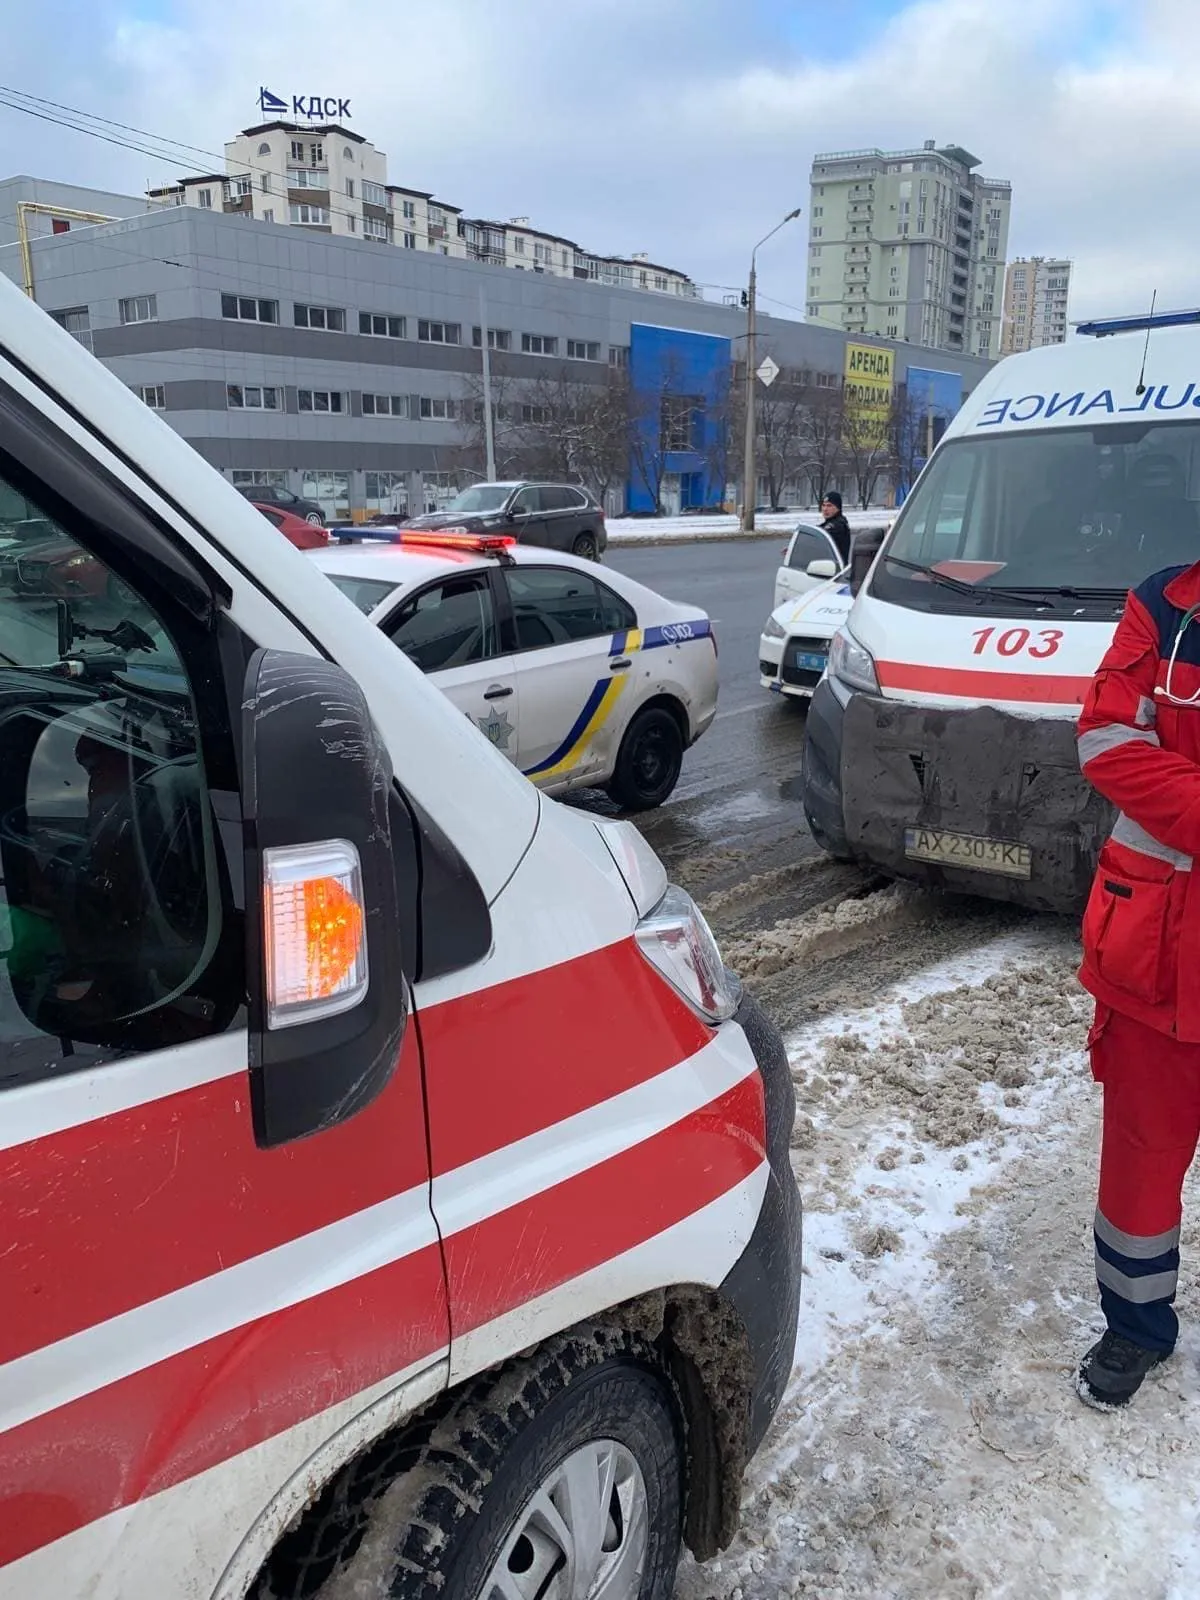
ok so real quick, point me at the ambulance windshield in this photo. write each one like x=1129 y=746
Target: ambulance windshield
x=1061 y=515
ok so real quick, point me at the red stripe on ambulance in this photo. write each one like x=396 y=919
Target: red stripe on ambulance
x=209 y=1403
x=966 y=683
x=176 y=1190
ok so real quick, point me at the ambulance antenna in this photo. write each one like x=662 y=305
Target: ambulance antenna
x=1141 y=383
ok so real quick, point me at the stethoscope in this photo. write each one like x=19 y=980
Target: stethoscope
x=1164 y=690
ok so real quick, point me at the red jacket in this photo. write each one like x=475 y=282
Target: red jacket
x=1141 y=929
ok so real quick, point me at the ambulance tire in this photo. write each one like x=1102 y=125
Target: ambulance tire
x=501 y=1442
x=649 y=760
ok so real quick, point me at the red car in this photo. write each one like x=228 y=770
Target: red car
x=304 y=535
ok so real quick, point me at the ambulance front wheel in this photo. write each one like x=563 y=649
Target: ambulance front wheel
x=649 y=760
x=560 y=1474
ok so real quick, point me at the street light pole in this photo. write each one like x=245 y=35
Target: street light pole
x=749 y=474
x=489 y=430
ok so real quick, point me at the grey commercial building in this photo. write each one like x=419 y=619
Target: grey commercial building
x=345 y=369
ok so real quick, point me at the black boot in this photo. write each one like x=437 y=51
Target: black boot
x=1112 y=1371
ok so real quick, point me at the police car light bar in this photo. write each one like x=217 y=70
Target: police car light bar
x=455 y=539
x=1101 y=327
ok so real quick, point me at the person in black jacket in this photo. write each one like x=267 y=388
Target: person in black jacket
x=835 y=524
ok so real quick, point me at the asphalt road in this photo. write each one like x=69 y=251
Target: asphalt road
x=738 y=799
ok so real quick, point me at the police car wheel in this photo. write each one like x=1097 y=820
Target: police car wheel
x=585 y=547
x=648 y=762
x=560 y=1474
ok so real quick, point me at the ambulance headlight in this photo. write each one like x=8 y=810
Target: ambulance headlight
x=850 y=664
x=675 y=938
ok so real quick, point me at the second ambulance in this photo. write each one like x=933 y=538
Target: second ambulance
x=941 y=742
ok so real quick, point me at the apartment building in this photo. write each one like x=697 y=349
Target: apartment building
x=327 y=179
x=1036 y=292
x=909 y=245
x=351 y=374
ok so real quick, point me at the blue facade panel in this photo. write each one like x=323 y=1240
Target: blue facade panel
x=933 y=398
x=668 y=365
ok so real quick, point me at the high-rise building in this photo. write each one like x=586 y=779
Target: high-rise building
x=909 y=245
x=1036 y=291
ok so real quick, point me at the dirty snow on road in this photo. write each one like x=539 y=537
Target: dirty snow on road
x=931 y=1444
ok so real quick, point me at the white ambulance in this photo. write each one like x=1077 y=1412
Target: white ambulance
x=941 y=743
x=394 y=1186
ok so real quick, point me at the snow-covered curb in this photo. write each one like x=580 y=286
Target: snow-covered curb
x=694 y=530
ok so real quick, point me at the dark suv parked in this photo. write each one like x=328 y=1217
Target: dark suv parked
x=264 y=495
x=559 y=516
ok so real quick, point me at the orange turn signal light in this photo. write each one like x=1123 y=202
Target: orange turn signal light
x=314 y=918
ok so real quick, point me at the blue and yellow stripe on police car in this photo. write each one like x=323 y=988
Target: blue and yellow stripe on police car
x=604 y=695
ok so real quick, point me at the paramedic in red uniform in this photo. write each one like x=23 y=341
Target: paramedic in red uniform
x=1139 y=745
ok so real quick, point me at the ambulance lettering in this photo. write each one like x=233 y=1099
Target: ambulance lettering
x=1032 y=407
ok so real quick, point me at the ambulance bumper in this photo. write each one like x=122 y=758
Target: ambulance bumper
x=764 y=1285
x=876 y=770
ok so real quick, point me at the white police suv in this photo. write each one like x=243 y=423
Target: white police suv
x=581 y=680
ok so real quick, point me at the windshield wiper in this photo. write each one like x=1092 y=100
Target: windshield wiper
x=957 y=584
x=1019 y=592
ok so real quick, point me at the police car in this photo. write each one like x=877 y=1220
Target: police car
x=581 y=681
x=794 y=647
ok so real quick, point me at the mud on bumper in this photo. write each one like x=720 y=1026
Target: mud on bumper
x=764 y=1285
x=877 y=768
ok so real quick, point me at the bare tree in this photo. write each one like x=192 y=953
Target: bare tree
x=824 y=448
x=866 y=444
x=913 y=428
x=781 y=433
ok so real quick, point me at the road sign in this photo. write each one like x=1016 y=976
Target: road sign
x=768 y=372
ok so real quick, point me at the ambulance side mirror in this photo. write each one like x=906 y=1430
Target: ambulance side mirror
x=864 y=547
x=325 y=981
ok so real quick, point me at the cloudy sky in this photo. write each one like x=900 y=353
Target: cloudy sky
x=681 y=127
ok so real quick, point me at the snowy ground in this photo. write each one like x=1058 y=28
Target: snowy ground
x=653 y=530
x=931 y=1444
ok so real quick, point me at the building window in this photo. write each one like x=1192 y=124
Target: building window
x=618 y=356
x=268 y=215
x=539 y=344
x=436 y=410
x=204 y=199
x=244 y=308
x=320 y=400
x=249 y=477
x=583 y=350
x=386 y=491
x=251 y=397
x=385 y=405
x=140 y=308
x=316 y=155
x=374 y=228
x=266 y=183
x=410 y=241
x=74 y=319
x=315 y=216
x=381 y=326
x=330 y=319
x=498 y=338
x=538 y=416
x=305 y=178
x=374 y=194
x=439 y=332
x=297 y=150
x=409 y=210
x=351 y=225
x=264 y=149
x=153 y=395
x=350 y=188
x=242 y=186
x=541 y=252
